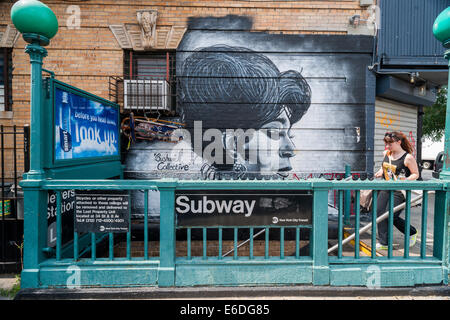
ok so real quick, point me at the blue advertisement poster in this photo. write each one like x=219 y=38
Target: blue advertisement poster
x=84 y=128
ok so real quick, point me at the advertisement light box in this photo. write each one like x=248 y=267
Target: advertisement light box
x=85 y=127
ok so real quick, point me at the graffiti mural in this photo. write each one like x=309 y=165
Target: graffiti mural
x=240 y=98
x=259 y=105
x=387 y=121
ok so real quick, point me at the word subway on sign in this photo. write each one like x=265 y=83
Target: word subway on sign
x=243 y=208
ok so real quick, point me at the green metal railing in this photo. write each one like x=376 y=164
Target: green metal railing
x=228 y=267
x=248 y=240
x=424 y=187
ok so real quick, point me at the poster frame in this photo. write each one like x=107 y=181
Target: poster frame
x=51 y=161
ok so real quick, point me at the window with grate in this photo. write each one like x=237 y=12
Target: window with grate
x=149 y=81
x=5 y=79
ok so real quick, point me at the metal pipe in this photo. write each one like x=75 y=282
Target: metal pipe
x=347 y=195
x=26 y=148
x=6 y=102
x=52 y=74
x=242 y=243
x=368 y=226
x=15 y=174
x=3 y=247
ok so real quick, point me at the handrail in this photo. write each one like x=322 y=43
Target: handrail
x=394 y=185
x=241 y=184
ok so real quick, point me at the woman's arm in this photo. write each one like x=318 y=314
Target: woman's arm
x=379 y=173
x=411 y=163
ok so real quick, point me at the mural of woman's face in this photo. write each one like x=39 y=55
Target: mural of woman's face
x=221 y=84
x=274 y=147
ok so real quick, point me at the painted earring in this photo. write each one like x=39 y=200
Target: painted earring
x=239 y=170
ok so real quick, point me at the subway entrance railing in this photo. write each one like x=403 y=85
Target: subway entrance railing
x=227 y=255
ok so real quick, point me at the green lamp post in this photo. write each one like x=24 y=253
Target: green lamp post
x=38 y=24
x=441 y=30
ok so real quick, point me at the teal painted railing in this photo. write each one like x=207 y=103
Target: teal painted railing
x=220 y=261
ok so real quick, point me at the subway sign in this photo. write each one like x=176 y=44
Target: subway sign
x=243 y=208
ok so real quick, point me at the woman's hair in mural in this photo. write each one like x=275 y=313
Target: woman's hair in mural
x=295 y=94
x=228 y=87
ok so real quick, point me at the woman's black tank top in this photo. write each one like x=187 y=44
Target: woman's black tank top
x=396 y=167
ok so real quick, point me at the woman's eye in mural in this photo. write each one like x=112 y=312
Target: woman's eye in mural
x=278 y=134
x=290 y=135
x=273 y=133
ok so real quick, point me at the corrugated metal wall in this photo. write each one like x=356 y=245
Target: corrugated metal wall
x=406 y=27
x=393 y=116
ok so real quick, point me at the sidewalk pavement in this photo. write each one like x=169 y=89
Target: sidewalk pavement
x=7 y=283
x=298 y=292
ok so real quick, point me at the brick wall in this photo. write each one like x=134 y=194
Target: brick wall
x=85 y=57
x=137 y=249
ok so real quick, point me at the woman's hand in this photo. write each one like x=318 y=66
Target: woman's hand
x=379 y=173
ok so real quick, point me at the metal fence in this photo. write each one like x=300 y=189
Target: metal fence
x=14 y=161
x=170 y=255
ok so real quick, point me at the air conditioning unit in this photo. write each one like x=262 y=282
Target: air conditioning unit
x=146 y=95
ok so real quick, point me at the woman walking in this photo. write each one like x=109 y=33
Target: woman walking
x=398 y=164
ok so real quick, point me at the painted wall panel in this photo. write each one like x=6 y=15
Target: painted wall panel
x=331 y=133
x=307 y=100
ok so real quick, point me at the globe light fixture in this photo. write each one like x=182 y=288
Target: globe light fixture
x=441 y=31
x=441 y=27
x=35 y=21
x=38 y=24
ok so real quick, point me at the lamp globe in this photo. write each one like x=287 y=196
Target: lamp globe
x=34 y=17
x=441 y=27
